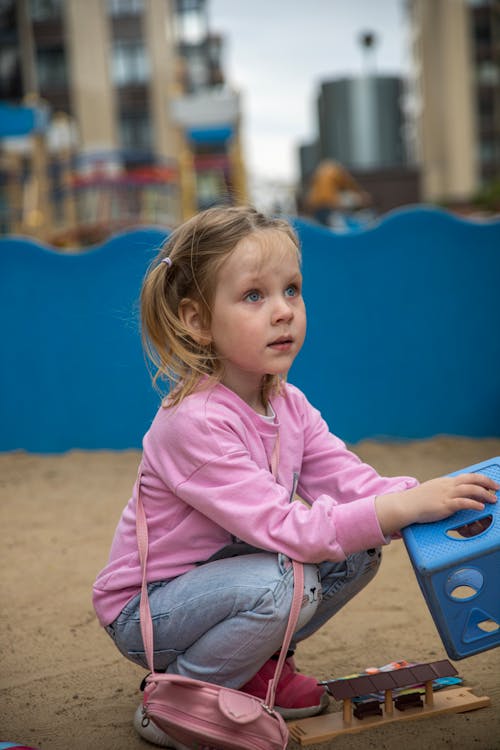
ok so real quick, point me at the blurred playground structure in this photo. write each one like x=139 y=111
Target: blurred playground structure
x=56 y=193
x=70 y=199
x=136 y=128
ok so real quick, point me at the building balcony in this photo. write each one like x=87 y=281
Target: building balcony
x=208 y=108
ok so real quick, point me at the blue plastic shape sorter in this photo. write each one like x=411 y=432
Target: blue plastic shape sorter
x=457 y=564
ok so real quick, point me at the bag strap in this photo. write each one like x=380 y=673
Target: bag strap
x=145 y=611
x=144 y=608
x=298 y=592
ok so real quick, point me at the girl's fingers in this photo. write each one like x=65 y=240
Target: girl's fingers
x=468 y=503
x=478 y=480
x=475 y=492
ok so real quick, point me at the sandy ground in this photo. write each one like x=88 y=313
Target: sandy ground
x=62 y=683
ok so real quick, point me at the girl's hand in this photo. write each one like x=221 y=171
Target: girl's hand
x=434 y=500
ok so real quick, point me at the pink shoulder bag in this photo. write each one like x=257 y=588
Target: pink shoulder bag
x=202 y=715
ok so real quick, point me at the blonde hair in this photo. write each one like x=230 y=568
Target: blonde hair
x=187 y=267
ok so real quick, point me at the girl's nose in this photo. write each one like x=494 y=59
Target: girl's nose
x=283 y=311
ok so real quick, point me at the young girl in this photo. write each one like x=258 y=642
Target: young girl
x=223 y=318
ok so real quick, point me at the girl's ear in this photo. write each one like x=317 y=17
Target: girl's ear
x=191 y=318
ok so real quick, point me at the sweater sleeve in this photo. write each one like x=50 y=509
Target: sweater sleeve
x=330 y=469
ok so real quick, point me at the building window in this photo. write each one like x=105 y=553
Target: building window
x=197 y=69
x=191 y=23
x=10 y=73
x=135 y=131
x=51 y=68
x=489 y=150
x=482 y=31
x=125 y=7
x=488 y=73
x=45 y=10
x=129 y=63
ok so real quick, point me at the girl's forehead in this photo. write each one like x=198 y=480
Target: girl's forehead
x=267 y=246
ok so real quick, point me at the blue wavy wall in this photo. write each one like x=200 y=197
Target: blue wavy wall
x=403 y=334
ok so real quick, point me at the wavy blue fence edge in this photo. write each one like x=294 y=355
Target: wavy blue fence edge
x=403 y=322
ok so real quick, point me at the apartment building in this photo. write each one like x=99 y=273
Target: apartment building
x=454 y=95
x=142 y=81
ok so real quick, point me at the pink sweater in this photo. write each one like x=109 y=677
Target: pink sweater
x=207 y=480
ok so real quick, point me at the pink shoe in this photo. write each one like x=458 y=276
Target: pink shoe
x=297 y=696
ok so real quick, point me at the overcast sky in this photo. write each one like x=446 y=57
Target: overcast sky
x=276 y=53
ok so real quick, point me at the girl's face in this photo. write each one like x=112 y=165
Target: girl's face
x=258 y=315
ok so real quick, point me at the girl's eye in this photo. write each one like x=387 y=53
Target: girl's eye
x=253 y=296
x=291 y=291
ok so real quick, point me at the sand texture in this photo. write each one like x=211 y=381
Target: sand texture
x=63 y=685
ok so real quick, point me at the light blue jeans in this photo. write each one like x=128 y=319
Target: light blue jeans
x=223 y=620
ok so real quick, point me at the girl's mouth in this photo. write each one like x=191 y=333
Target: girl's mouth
x=285 y=342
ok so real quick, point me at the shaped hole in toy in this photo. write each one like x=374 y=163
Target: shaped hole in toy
x=488 y=626
x=463 y=592
x=464 y=584
x=469 y=530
